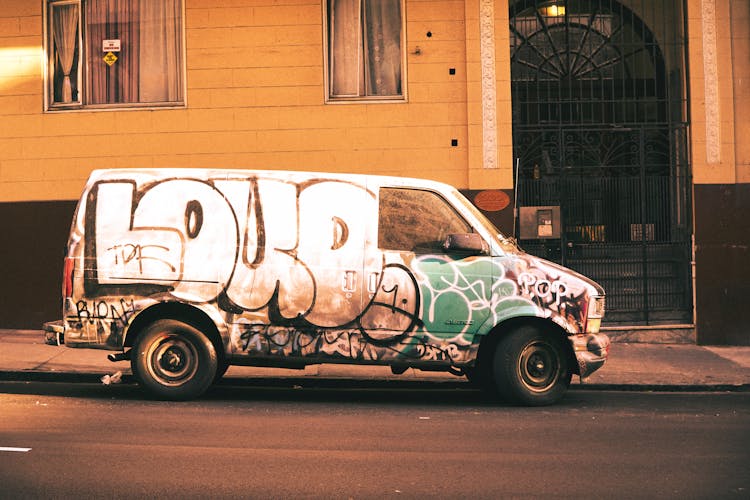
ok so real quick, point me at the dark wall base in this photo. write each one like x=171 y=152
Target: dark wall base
x=34 y=239
x=722 y=255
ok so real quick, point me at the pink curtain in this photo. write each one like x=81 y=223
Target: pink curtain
x=112 y=20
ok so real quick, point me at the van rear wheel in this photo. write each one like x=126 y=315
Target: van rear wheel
x=174 y=360
x=531 y=368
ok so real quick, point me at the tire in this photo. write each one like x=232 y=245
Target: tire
x=221 y=370
x=473 y=375
x=530 y=368
x=174 y=360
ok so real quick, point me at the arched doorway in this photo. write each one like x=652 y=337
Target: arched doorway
x=599 y=129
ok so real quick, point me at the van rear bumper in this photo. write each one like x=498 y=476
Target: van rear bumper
x=591 y=351
x=54 y=333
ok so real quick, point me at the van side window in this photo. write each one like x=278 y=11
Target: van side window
x=415 y=220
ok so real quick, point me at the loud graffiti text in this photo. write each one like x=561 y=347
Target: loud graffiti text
x=303 y=250
x=92 y=311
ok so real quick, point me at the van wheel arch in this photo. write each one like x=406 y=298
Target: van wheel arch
x=180 y=312
x=481 y=373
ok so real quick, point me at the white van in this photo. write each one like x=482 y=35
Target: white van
x=188 y=271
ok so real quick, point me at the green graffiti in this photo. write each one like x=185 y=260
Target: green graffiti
x=462 y=298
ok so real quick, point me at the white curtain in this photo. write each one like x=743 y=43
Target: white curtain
x=65 y=31
x=345 y=52
x=383 y=47
x=365 y=47
x=160 y=54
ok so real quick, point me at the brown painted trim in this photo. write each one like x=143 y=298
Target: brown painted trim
x=722 y=256
x=34 y=239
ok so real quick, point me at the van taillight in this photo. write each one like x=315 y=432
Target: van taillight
x=68 y=277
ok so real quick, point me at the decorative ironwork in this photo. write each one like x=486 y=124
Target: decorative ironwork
x=598 y=130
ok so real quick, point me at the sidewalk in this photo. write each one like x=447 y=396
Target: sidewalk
x=631 y=366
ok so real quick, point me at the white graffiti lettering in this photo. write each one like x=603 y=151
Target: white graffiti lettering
x=547 y=292
x=300 y=250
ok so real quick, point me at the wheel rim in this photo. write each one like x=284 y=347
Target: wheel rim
x=172 y=360
x=538 y=366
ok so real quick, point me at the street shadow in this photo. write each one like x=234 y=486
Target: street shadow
x=269 y=390
x=353 y=393
x=346 y=392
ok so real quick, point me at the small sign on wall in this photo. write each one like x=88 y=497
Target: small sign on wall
x=491 y=200
x=111 y=45
x=110 y=59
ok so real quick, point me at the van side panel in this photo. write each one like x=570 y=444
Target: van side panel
x=357 y=301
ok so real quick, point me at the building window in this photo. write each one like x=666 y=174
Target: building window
x=365 y=45
x=114 y=53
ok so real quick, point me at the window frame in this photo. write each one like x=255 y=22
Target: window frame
x=49 y=52
x=82 y=72
x=458 y=216
x=327 y=67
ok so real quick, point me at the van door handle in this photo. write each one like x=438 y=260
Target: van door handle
x=350 y=281
x=372 y=283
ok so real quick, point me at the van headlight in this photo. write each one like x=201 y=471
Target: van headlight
x=594 y=314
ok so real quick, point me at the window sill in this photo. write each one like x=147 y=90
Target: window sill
x=366 y=100
x=114 y=107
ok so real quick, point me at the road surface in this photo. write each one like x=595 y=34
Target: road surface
x=95 y=441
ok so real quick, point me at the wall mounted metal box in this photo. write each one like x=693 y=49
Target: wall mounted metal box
x=539 y=223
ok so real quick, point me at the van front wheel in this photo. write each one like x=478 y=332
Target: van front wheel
x=174 y=360
x=531 y=368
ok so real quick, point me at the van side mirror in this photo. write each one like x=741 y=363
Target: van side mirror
x=469 y=243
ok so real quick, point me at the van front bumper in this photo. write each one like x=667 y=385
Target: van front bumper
x=591 y=351
x=54 y=333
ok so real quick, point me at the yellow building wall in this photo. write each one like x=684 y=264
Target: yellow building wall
x=719 y=54
x=481 y=177
x=255 y=99
x=740 y=19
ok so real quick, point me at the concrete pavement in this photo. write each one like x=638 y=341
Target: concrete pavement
x=631 y=366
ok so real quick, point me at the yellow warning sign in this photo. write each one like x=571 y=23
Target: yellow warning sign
x=110 y=58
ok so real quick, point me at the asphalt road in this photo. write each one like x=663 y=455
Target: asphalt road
x=94 y=441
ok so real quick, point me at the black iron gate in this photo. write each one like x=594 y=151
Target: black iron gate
x=598 y=130
x=624 y=215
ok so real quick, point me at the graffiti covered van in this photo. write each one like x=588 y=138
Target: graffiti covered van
x=189 y=271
